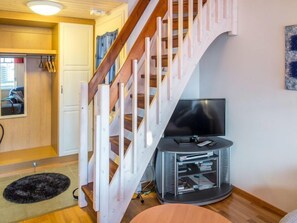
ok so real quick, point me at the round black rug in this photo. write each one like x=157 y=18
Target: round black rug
x=37 y=187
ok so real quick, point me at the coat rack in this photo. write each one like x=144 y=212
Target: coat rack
x=47 y=63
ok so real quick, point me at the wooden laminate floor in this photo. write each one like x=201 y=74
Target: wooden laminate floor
x=236 y=208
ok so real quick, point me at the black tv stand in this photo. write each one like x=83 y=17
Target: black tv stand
x=187 y=173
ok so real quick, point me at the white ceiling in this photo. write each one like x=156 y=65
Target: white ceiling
x=72 y=8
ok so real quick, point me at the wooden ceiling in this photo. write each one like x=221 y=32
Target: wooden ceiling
x=72 y=8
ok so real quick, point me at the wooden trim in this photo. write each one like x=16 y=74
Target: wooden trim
x=28 y=51
x=26 y=167
x=116 y=48
x=137 y=50
x=30 y=19
x=258 y=201
x=55 y=89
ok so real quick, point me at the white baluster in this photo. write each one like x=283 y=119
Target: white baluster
x=134 y=114
x=121 y=138
x=169 y=36
x=190 y=28
x=234 y=17
x=103 y=122
x=96 y=154
x=91 y=167
x=147 y=90
x=95 y=160
x=83 y=151
x=218 y=11
x=159 y=68
x=200 y=20
x=226 y=8
x=209 y=15
x=180 y=37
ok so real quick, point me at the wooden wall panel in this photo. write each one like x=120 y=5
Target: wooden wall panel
x=34 y=130
x=25 y=37
x=55 y=93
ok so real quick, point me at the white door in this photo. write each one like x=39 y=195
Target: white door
x=76 y=65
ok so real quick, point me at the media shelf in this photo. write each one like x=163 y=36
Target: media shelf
x=187 y=173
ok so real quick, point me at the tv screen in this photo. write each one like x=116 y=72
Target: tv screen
x=201 y=117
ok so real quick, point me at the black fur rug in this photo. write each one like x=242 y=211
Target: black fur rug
x=35 y=188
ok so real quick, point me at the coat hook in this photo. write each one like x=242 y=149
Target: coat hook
x=53 y=64
x=41 y=63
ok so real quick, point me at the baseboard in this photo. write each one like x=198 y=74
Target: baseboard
x=258 y=201
x=26 y=167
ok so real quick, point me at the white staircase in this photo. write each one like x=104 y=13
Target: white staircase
x=163 y=81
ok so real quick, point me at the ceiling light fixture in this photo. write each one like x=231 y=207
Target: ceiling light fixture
x=45 y=7
x=97 y=12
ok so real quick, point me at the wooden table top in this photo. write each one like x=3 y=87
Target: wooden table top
x=179 y=213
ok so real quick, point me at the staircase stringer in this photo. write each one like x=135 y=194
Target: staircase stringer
x=145 y=153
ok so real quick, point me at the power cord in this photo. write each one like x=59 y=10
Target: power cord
x=145 y=191
x=2 y=136
x=75 y=197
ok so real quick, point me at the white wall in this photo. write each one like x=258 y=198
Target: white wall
x=131 y=5
x=262 y=116
x=191 y=91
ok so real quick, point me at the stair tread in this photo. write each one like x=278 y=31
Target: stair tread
x=114 y=141
x=173 y=37
x=186 y=2
x=153 y=79
x=174 y=41
x=175 y=20
x=112 y=169
x=128 y=122
x=141 y=97
x=153 y=76
x=140 y=100
x=185 y=6
x=88 y=189
x=165 y=56
x=164 y=59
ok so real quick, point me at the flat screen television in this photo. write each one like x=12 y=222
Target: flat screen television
x=199 y=117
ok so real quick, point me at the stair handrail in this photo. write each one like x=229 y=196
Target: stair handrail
x=110 y=57
x=137 y=50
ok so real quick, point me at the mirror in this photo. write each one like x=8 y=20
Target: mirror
x=12 y=86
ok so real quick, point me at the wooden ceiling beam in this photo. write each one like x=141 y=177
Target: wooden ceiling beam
x=34 y=20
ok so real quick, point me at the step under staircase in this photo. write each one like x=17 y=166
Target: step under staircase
x=142 y=98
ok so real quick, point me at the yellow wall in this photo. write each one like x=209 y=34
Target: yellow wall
x=109 y=23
